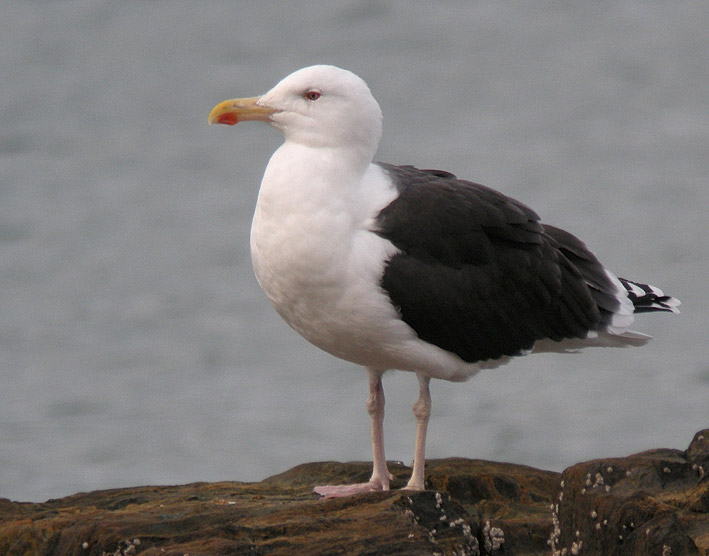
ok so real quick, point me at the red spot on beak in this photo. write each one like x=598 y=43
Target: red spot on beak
x=228 y=118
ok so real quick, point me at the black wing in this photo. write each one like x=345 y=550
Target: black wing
x=479 y=275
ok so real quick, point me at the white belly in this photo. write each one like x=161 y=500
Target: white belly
x=325 y=285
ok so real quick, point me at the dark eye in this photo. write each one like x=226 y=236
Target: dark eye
x=312 y=95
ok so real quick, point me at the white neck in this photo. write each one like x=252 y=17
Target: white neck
x=311 y=204
x=302 y=179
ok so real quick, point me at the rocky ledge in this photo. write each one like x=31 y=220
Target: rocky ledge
x=652 y=503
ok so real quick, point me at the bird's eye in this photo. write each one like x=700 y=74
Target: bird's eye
x=312 y=95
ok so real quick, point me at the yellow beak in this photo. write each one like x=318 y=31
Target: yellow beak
x=231 y=112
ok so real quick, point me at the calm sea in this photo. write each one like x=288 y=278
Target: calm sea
x=135 y=345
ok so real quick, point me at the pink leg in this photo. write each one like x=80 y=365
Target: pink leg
x=422 y=411
x=380 y=474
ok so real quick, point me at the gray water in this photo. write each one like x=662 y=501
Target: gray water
x=135 y=345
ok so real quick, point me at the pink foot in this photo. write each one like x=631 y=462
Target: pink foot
x=414 y=487
x=338 y=491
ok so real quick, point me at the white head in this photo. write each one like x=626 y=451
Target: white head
x=317 y=106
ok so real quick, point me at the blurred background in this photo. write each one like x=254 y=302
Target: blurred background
x=135 y=344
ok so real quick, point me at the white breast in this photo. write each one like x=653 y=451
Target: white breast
x=320 y=264
x=314 y=254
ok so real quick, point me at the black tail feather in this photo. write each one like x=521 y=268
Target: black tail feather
x=646 y=298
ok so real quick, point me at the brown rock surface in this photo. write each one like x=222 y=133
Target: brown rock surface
x=657 y=501
x=652 y=503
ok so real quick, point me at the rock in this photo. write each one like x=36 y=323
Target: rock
x=477 y=508
x=652 y=503
x=514 y=499
x=657 y=501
